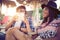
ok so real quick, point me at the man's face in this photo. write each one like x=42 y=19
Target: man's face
x=21 y=11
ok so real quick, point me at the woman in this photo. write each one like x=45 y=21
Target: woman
x=19 y=31
x=48 y=30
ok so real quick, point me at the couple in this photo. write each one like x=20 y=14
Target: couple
x=48 y=30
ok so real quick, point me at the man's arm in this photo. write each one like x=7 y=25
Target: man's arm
x=27 y=29
x=8 y=25
x=28 y=26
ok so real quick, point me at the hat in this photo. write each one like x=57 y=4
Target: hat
x=1 y=2
x=52 y=5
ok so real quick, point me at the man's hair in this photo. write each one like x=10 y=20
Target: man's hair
x=20 y=7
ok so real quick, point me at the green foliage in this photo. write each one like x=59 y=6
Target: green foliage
x=40 y=11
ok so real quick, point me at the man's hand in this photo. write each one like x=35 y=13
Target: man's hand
x=25 y=20
x=15 y=18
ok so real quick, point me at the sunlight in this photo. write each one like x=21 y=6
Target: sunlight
x=8 y=11
x=11 y=11
x=58 y=3
x=4 y=9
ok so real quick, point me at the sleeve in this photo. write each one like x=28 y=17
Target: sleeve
x=47 y=34
x=49 y=31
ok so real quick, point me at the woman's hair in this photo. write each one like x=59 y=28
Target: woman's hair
x=21 y=7
x=52 y=15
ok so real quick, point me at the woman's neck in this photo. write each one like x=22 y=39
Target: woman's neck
x=47 y=20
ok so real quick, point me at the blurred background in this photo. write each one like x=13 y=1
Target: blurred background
x=33 y=7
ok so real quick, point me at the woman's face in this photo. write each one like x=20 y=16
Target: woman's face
x=45 y=12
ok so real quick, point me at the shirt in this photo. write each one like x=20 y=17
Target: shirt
x=49 y=32
x=23 y=25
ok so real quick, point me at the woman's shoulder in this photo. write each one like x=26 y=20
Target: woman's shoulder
x=55 y=22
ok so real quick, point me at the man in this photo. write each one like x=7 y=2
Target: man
x=20 y=30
